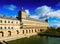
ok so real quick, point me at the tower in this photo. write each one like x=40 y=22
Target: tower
x=21 y=15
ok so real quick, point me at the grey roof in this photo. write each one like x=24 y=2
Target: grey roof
x=14 y=18
x=35 y=19
x=8 y=17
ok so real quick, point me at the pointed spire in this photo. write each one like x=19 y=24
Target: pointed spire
x=22 y=8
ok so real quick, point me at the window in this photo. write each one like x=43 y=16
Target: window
x=12 y=22
x=16 y=22
x=8 y=21
x=41 y=30
x=23 y=31
x=26 y=31
x=0 y=21
x=9 y=33
x=8 y=27
x=5 y=27
x=0 y=27
x=29 y=31
x=11 y=27
x=2 y=33
x=35 y=30
x=32 y=31
x=5 y=21
x=17 y=31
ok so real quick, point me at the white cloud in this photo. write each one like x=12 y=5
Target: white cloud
x=54 y=14
x=43 y=10
x=10 y=7
x=57 y=25
x=27 y=11
x=34 y=16
x=47 y=11
x=31 y=16
x=55 y=22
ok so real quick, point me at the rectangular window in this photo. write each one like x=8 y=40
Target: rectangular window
x=32 y=31
x=11 y=27
x=5 y=21
x=0 y=27
x=0 y=21
x=8 y=27
x=12 y=22
x=5 y=27
x=16 y=22
x=8 y=21
x=23 y=31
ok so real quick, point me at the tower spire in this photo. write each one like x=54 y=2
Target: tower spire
x=22 y=8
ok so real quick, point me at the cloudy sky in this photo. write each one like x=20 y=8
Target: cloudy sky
x=39 y=9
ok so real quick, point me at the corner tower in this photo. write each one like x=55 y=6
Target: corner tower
x=21 y=15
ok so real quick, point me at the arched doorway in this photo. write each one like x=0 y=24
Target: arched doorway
x=23 y=31
x=29 y=31
x=26 y=31
x=17 y=31
x=9 y=33
x=2 y=34
x=41 y=30
x=35 y=30
x=32 y=31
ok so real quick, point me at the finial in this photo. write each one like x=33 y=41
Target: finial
x=22 y=8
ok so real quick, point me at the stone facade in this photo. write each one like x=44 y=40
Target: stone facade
x=10 y=27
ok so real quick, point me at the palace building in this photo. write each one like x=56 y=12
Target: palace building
x=21 y=26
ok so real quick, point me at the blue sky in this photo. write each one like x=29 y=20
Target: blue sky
x=38 y=9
